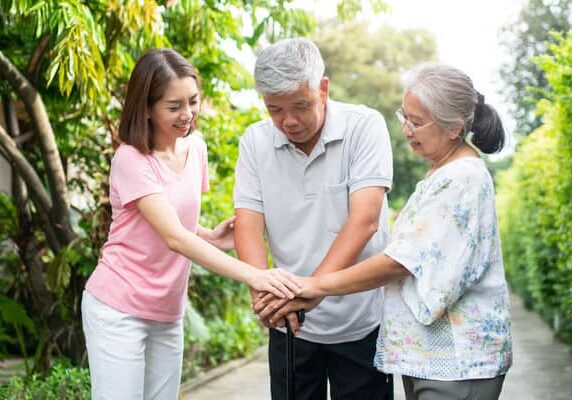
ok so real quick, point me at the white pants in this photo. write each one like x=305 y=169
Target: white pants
x=131 y=358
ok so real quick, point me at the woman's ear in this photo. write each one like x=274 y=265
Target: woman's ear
x=457 y=131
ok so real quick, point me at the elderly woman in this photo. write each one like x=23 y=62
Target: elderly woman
x=446 y=323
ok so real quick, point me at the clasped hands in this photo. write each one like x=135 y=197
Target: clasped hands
x=273 y=311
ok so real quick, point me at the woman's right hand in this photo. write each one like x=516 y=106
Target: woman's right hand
x=279 y=282
x=222 y=236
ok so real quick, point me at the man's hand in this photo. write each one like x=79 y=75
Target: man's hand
x=275 y=310
x=265 y=304
x=289 y=311
x=254 y=297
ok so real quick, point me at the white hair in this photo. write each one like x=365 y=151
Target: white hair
x=446 y=92
x=287 y=65
x=450 y=97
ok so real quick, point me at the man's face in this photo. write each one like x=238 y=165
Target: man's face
x=300 y=115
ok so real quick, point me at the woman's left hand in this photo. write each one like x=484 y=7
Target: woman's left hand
x=280 y=283
x=223 y=235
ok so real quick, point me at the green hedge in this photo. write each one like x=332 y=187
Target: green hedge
x=535 y=197
x=62 y=382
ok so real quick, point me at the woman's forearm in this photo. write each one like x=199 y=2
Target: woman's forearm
x=161 y=216
x=374 y=272
x=204 y=233
x=199 y=249
x=277 y=281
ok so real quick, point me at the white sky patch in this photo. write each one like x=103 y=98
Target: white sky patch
x=467 y=34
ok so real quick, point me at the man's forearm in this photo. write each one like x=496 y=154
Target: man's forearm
x=363 y=222
x=250 y=248
x=250 y=251
x=249 y=239
x=250 y=245
x=345 y=249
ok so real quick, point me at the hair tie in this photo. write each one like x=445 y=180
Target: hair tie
x=480 y=98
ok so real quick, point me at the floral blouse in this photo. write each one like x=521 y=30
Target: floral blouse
x=450 y=320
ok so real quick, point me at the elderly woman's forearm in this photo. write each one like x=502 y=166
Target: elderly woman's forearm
x=374 y=272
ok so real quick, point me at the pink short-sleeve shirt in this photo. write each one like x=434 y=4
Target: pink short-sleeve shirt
x=137 y=273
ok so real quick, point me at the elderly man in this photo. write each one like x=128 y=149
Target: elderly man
x=313 y=178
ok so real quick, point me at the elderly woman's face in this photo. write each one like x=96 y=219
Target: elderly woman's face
x=426 y=137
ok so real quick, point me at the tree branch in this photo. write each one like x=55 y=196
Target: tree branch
x=59 y=212
x=20 y=191
x=34 y=63
x=26 y=171
x=23 y=138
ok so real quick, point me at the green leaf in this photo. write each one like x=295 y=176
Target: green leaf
x=15 y=314
x=58 y=274
x=195 y=325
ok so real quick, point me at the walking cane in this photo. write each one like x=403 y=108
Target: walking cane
x=290 y=371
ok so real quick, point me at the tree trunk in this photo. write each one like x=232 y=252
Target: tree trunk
x=25 y=239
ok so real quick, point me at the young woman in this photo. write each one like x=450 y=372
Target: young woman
x=133 y=302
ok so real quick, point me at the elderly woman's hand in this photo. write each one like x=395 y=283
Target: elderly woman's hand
x=309 y=287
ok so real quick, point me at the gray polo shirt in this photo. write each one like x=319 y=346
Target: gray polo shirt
x=305 y=202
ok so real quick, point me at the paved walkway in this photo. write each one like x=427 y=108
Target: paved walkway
x=542 y=368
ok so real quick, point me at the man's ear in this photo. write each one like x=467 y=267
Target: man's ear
x=324 y=88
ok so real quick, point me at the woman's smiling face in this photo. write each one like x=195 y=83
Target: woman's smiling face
x=175 y=113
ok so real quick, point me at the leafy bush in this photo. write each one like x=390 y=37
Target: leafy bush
x=232 y=329
x=237 y=335
x=534 y=201
x=61 y=383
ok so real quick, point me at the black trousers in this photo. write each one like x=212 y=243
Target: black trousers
x=348 y=366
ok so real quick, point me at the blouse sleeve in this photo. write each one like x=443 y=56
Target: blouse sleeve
x=446 y=241
x=132 y=175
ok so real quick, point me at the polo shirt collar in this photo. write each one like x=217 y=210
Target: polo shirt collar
x=333 y=129
x=280 y=139
x=334 y=126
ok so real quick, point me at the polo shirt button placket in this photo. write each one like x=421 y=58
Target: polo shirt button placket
x=310 y=187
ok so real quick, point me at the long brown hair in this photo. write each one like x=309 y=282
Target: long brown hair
x=147 y=84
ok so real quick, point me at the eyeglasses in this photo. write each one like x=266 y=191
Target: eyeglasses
x=408 y=124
